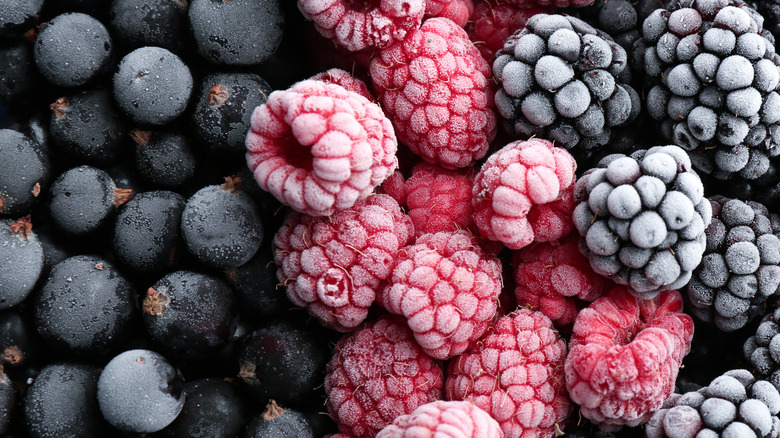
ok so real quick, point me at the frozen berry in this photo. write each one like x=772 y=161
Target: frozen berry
x=459 y=419
x=492 y=22
x=24 y=172
x=139 y=23
x=278 y=422
x=18 y=15
x=163 y=159
x=213 y=409
x=459 y=11
x=439 y=199
x=22 y=256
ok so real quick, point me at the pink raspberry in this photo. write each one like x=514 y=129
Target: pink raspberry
x=493 y=21
x=450 y=419
x=318 y=147
x=447 y=289
x=552 y=3
x=437 y=89
x=361 y=24
x=345 y=79
x=332 y=265
x=459 y=11
x=515 y=373
x=555 y=278
x=624 y=356
x=378 y=373
x=395 y=186
x=439 y=199
x=523 y=193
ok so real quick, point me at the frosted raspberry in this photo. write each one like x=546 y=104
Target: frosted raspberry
x=493 y=21
x=553 y=3
x=624 y=356
x=459 y=11
x=318 y=147
x=395 y=186
x=556 y=278
x=450 y=419
x=345 y=79
x=523 y=193
x=437 y=90
x=376 y=374
x=447 y=288
x=439 y=200
x=332 y=265
x=361 y=24
x=515 y=374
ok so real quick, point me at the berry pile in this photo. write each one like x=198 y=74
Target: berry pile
x=395 y=218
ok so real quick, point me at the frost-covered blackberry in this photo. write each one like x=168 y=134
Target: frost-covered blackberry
x=734 y=404
x=559 y=80
x=714 y=84
x=740 y=268
x=642 y=219
x=762 y=349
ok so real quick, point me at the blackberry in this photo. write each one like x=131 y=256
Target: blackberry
x=714 y=73
x=734 y=404
x=560 y=80
x=163 y=159
x=642 y=219
x=740 y=267
x=21 y=256
x=24 y=172
x=762 y=349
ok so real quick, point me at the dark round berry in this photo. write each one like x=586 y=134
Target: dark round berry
x=213 y=409
x=21 y=256
x=24 y=172
x=140 y=391
x=19 y=344
x=72 y=49
x=256 y=286
x=163 y=159
x=61 y=401
x=238 y=32
x=18 y=15
x=161 y=23
x=152 y=86
x=85 y=307
x=278 y=422
x=17 y=69
x=8 y=403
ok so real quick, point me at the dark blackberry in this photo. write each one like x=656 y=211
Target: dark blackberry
x=238 y=32
x=213 y=409
x=559 y=79
x=277 y=422
x=139 y=23
x=146 y=233
x=72 y=49
x=733 y=405
x=88 y=128
x=642 y=218
x=762 y=349
x=61 y=401
x=18 y=15
x=140 y=391
x=221 y=226
x=256 y=287
x=224 y=109
x=83 y=200
x=85 y=307
x=17 y=71
x=189 y=315
x=740 y=267
x=21 y=256
x=24 y=173
x=163 y=159
x=284 y=361
x=152 y=86
x=714 y=73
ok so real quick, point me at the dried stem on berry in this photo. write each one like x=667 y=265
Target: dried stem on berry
x=22 y=227
x=140 y=137
x=121 y=196
x=59 y=106
x=218 y=95
x=155 y=303
x=272 y=411
x=232 y=183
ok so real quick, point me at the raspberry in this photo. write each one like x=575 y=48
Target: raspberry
x=395 y=187
x=552 y=3
x=714 y=75
x=452 y=419
x=342 y=77
x=447 y=289
x=523 y=193
x=459 y=11
x=377 y=374
x=515 y=373
x=642 y=218
x=439 y=200
x=740 y=268
x=361 y=24
x=562 y=79
x=435 y=87
x=332 y=265
x=492 y=22
x=318 y=147
x=733 y=404
x=555 y=278
x=624 y=356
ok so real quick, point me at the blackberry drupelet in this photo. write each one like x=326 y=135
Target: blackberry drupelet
x=762 y=349
x=740 y=267
x=560 y=79
x=642 y=219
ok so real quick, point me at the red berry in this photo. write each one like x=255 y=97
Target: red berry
x=459 y=11
x=493 y=22
x=439 y=199
x=342 y=77
x=451 y=419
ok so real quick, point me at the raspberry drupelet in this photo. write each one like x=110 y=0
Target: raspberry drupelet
x=515 y=373
x=447 y=288
x=318 y=147
x=436 y=88
x=624 y=356
x=376 y=374
x=439 y=199
x=493 y=21
x=459 y=11
x=450 y=419
x=332 y=265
